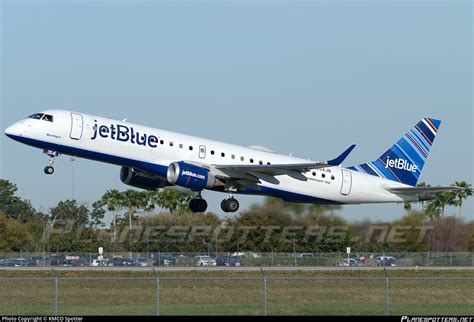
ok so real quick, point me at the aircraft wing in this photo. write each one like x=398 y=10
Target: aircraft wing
x=268 y=172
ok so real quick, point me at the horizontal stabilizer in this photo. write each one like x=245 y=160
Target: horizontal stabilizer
x=419 y=190
x=422 y=193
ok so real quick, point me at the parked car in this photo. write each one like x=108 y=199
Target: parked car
x=119 y=261
x=17 y=262
x=302 y=255
x=164 y=260
x=349 y=262
x=386 y=261
x=228 y=261
x=141 y=261
x=205 y=261
x=99 y=262
x=57 y=260
x=79 y=263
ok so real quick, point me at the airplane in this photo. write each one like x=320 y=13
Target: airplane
x=152 y=159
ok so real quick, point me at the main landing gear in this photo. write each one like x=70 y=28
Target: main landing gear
x=198 y=204
x=230 y=204
x=52 y=155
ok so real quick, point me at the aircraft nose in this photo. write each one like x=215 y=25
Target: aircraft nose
x=13 y=130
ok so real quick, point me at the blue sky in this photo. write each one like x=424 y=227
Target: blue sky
x=302 y=77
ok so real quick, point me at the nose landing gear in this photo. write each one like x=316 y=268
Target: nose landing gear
x=49 y=170
x=52 y=155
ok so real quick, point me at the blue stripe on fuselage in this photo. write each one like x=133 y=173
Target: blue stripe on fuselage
x=161 y=170
x=96 y=156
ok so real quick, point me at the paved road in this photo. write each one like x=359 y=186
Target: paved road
x=232 y=269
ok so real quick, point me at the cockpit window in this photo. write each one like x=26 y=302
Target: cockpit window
x=36 y=116
x=42 y=116
x=48 y=118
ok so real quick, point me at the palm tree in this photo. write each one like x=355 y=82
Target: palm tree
x=451 y=198
x=133 y=200
x=171 y=199
x=113 y=200
x=461 y=194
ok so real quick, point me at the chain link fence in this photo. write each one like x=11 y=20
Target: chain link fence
x=252 y=295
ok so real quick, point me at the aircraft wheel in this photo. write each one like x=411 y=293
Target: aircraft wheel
x=198 y=205
x=232 y=205
x=201 y=205
x=49 y=170
x=224 y=206
x=193 y=205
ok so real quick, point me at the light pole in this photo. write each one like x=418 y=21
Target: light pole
x=294 y=252
x=215 y=234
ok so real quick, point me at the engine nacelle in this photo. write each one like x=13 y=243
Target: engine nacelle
x=190 y=176
x=139 y=179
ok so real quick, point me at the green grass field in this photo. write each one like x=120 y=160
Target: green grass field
x=237 y=293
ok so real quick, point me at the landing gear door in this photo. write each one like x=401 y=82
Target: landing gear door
x=76 y=126
x=202 y=152
x=346 y=182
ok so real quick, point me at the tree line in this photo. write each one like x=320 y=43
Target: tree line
x=159 y=221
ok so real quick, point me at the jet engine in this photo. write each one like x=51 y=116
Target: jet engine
x=190 y=176
x=140 y=179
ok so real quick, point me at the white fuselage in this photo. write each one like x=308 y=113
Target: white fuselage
x=153 y=150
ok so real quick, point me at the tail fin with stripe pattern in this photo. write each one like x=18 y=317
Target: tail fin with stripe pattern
x=404 y=161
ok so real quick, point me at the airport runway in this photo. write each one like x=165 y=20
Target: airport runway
x=233 y=269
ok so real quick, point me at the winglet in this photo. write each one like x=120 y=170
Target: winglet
x=342 y=157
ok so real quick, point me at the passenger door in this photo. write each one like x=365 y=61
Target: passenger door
x=77 y=123
x=346 y=182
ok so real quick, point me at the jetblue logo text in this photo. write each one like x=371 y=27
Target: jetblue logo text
x=400 y=164
x=124 y=133
x=192 y=174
